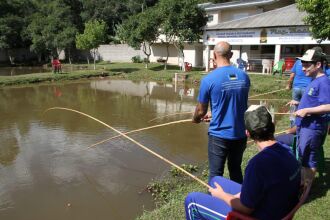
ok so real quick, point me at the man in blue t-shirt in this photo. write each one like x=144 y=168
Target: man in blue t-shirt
x=271 y=183
x=311 y=116
x=298 y=81
x=226 y=89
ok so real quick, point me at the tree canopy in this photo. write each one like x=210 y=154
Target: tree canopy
x=141 y=30
x=49 y=26
x=94 y=35
x=318 y=17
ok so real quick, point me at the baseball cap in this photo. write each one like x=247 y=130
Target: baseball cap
x=257 y=117
x=313 y=55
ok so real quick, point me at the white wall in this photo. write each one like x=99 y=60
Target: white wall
x=118 y=53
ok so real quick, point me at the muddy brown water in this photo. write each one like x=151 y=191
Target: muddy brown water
x=46 y=169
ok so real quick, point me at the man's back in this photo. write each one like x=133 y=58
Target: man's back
x=271 y=183
x=226 y=88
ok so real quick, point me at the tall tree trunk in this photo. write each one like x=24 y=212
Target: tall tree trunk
x=167 y=55
x=11 y=56
x=147 y=51
x=180 y=56
x=39 y=57
x=94 y=56
x=69 y=52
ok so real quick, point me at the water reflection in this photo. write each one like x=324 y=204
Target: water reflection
x=46 y=165
x=8 y=150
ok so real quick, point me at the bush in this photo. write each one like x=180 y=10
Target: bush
x=161 y=60
x=137 y=59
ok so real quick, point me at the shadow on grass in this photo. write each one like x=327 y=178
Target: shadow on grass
x=161 y=67
x=124 y=70
x=321 y=183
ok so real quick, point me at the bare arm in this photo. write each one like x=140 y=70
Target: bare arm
x=289 y=86
x=321 y=109
x=200 y=112
x=232 y=200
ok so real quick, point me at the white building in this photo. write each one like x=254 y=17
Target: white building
x=268 y=36
x=196 y=53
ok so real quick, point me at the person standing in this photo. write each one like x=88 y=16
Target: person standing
x=311 y=116
x=226 y=90
x=271 y=183
x=298 y=82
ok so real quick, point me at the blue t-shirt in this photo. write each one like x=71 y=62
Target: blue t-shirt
x=327 y=72
x=271 y=183
x=226 y=89
x=300 y=79
x=317 y=93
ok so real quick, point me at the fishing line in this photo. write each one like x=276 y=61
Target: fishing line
x=134 y=141
x=178 y=113
x=141 y=129
x=267 y=93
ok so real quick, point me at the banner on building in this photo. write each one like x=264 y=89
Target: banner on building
x=262 y=36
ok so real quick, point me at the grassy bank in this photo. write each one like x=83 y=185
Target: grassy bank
x=129 y=71
x=173 y=190
x=170 y=191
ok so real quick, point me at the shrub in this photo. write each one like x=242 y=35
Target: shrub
x=137 y=59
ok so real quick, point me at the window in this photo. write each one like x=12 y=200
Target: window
x=254 y=47
x=210 y=18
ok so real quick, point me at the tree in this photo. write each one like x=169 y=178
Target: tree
x=113 y=12
x=94 y=35
x=182 y=21
x=317 y=18
x=12 y=22
x=51 y=28
x=140 y=30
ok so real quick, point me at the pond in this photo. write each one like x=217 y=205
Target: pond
x=48 y=171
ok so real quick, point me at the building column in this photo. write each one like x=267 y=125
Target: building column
x=207 y=64
x=277 y=56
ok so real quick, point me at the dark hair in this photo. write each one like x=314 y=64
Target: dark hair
x=263 y=134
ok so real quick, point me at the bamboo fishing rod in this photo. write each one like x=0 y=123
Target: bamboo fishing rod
x=156 y=126
x=134 y=141
x=266 y=93
x=177 y=113
x=277 y=133
x=261 y=99
x=141 y=129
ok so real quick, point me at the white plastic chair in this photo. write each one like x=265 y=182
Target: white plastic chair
x=266 y=66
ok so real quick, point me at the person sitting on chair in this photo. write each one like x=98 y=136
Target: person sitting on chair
x=271 y=185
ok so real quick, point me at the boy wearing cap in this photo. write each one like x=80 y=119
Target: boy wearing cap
x=311 y=117
x=298 y=82
x=271 y=183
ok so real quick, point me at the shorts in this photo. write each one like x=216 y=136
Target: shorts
x=309 y=145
